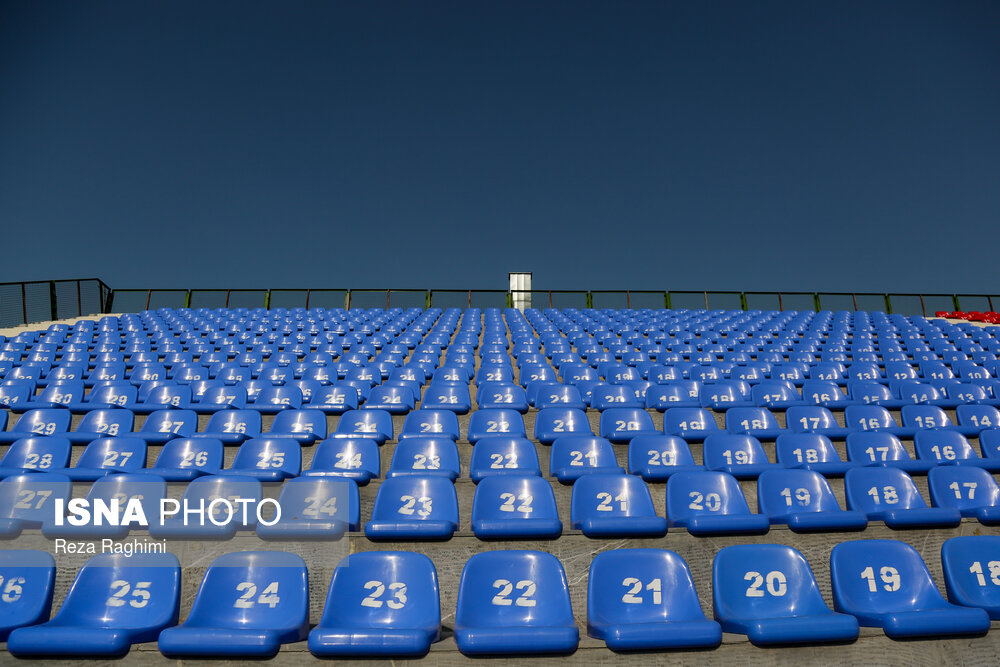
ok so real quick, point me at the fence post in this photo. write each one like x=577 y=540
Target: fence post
x=24 y=304
x=187 y=299
x=816 y=302
x=110 y=302
x=590 y=299
x=79 y=301
x=958 y=306
x=149 y=295
x=510 y=299
x=428 y=300
x=347 y=299
x=666 y=300
x=923 y=308
x=743 y=301
x=888 y=304
x=267 y=299
x=53 y=306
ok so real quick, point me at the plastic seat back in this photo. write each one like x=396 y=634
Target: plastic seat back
x=811 y=451
x=610 y=505
x=971 y=567
x=710 y=502
x=758 y=422
x=13 y=393
x=876 y=490
x=499 y=455
x=61 y=394
x=285 y=397
x=642 y=599
x=874 y=448
x=656 y=457
x=196 y=456
x=40 y=421
x=334 y=399
x=380 y=603
x=27 y=584
x=495 y=422
x=222 y=397
x=437 y=423
x=353 y=458
x=925 y=417
x=885 y=583
x=248 y=604
x=739 y=455
x=303 y=425
x=605 y=396
x=115 y=601
x=104 y=423
x=26 y=501
x=515 y=506
x=375 y=424
x=501 y=395
x=869 y=418
x=965 y=488
x=36 y=454
x=314 y=508
x=435 y=456
x=168 y=396
x=689 y=423
x=414 y=507
x=623 y=424
x=552 y=423
x=268 y=459
x=768 y=592
x=167 y=424
x=804 y=501
x=576 y=455
x=944 y=447
x=514 y=602
x=447 y=396
x=120 y=455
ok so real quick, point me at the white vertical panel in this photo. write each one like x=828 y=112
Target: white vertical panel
x=520 y=287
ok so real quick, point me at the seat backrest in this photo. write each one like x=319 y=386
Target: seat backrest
x=505 y=497
x=621 y=424
x=758 y=581
x=679 y=420
x=178 y=396
x=880 y=489
x=147 y=490
x=30 y=498
x=822 y=392
x=366 y=423
x=900 y=370
x=63 y=393
x=604 y=396
x=978 y=416
x=580 y=452
x=868 y=392
x=303 y=421
x=115 y=454
x=447 y=396
x=925 y=416
x=496 y=421
x=110 y=422
x=631 y=586
x=501 y=395
x=269 y=454
x=181 y=423
x=874 y=448
x=722 y=450
x=500 y=455
x=113 y=394
x=43 y=421
x=233 y=396
x=808 y=419
x=439 y=423
x=795 y=449
x=552 y=423
x=212 y=488
x=340 y=396
x=202 y=454
x=868 y=418
x=13 y=393
x=321 y=500
x=500 y=589
x=553 y=395
x=691 y=494
x=347 y=456
x=648 y=453
x=254 y=590
x=41 y=454
x=388 y=590
x=965 y=488
x=427 y=455
x=784 y=492
x=750 y=420
x=881 y=576
x=138 y=592
x=416 y=498
x=972 y=571
x=610 y=495
x=943 y=446
x=26 y=582
x=284 y=396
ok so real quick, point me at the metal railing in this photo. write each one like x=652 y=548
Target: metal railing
x=131 y=300
x=40 y=300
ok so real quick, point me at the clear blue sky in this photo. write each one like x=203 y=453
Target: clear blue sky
x=600 y=145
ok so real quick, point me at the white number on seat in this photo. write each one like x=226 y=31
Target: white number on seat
x=802 y=496
x=426 y=462
x=709 y=501
x=498 y=461
x=398 y=590
x=774 y=581
x=25 y=498
x=409 y=502
x=508 y=502
x=605 y=504
x=249 y=589
x=891 y=580
x=666 y=458
x=889 y=495
x=524 y=600
x=970 y=486
x=347 y=460
x=635 y=587
x=994 y=568
x=316 y=506
x=121 y=588
x=13 y=590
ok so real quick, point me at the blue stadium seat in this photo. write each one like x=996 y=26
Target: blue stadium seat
x=485 y=423
x=605 y=396
x=873 y=393
x=725 y=395
x=412 y=507
x=334 y=399
x=35 y=455
x=163 y=397
x=380 y=603
x=375 y=424
x=38 y=422
x=26 y=501
x=493 y=373
x=107 y=396
x=874 y=418
x=499 y=455
x=711 y=503
x=353 y=458
x=811 y=451
x=114 y=602
x=977 y=418
x=14 y=393
x=970 y=490
x=692 y=424
x=946 y=447
x=437 y=423
x=645 y=599
x=825 y=394
x=216 y=398
x=971 y=565
x=515 y=507
x=656 y=457
x=661 y=397
x=557 y=396
x=739 y=455
x=768 y=592
x=27 y=577
x=576 y=455
x=885 y=583
x=218 y=522
x=614 y=505
x=394 y=400
x=447 y=396
x=803 y=500
x=620 y=425
x=815 y=419
x=553 y=423
x=58 y=395
x=758 y=422
x=513 y=602
x=433 y=456
x=164 y=425
x=889 y=495
x=268 y=459
x=274 y=400
x=231 y=427
x=919 y=417
x=314 y=508
x=876 y=448
x=148 y=490
x=501 y=395
x=248 y=604
x=102 y=424
x=304 y=426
